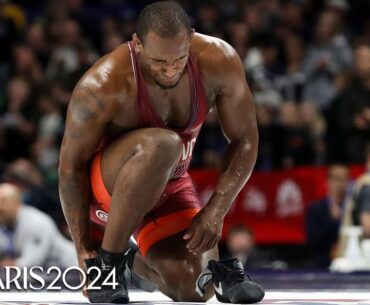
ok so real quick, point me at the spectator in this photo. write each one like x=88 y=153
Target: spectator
x=323 y=218
x=268 y=146
x=64 y=58
x=263 y=67
x=349 y=122
x=255 y=17
x=361 y=198
x=35 y=191
x=26 y=65
x=240 y=244
x=36 y=41
x=46 y=146
x=18 y=120
x=314 y=121
x=296 y=146
x=110 y=42
x=29 y=237
x=12 y=23
x=291 y=82
x=329 y=56
x=207 y=17
x=292 y=18
x=357 y=212
x=109 y=34
x=239 y=36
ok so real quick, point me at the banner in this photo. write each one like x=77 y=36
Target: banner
x=273 y=204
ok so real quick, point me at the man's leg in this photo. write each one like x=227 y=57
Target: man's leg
x=176 y=269
x=135 y=171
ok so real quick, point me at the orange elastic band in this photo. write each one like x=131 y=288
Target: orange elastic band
x=100 y=191
x=164 y=227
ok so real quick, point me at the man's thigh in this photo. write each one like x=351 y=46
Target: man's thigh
x=111 y=157
x=144 y=142
x=172 y=213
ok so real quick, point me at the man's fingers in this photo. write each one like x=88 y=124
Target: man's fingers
x=206 y=245
x=202 y=247
x=194 y=241
x=84 y=292
x=189 y=233
x=211 y=243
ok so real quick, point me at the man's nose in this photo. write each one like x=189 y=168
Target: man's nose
x=169 y=71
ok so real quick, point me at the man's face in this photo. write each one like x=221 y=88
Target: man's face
x=338 y=177
x=164 y=58
x=240 y=243
x=8 y=206
x=362 y=62
x=325 y=28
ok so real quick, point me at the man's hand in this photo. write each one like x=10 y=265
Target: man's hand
x=204 y=232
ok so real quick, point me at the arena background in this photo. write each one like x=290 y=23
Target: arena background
x=300 y=65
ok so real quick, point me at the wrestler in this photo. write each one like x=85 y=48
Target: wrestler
x=132 y=123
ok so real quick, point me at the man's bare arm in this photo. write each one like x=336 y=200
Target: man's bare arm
x=237 y=118
x=238 y=121
x=86 y=120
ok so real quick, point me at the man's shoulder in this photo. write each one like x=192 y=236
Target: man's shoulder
x=34 y=218
x=111 y=72
x=211 y=51
x=216 y=59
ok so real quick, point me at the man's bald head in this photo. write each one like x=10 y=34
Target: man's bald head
x=10 y=201
x=164 y=18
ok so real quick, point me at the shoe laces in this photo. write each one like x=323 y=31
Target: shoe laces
x=235 y=275
x=107 y=269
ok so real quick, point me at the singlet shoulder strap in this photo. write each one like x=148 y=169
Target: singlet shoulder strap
x=144 y=112
x=199 y=91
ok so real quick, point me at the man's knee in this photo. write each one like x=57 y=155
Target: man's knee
x=163 y=143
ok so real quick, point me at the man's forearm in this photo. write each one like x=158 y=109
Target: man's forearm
x=237 y=167
x=74 y=195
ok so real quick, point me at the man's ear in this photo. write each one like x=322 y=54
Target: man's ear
x=192 y=31
x=137 y=42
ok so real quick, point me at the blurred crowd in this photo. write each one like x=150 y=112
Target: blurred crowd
x=307 y=63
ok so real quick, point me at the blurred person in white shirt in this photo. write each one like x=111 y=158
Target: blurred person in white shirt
x=29 y=237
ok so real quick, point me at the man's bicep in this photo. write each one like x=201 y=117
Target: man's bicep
x=235 y=108
x=84 y=128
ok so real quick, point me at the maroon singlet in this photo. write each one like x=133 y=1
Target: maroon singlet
x=199 y=109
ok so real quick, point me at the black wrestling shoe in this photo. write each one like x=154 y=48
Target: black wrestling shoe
x=107 y=292
x=133 y=278
x=229 y=283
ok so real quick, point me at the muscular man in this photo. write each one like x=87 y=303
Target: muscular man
x=131 y=126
